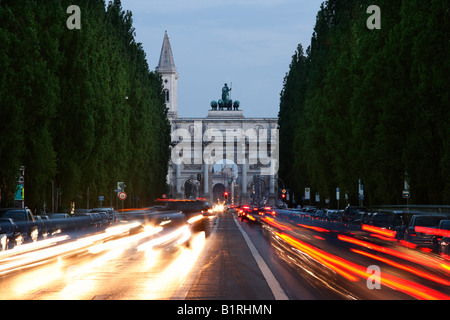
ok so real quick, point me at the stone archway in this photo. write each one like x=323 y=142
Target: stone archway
x=258 y=191
x=191 y=189
x=218 y=191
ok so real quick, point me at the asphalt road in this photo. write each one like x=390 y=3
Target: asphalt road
x=278 y=258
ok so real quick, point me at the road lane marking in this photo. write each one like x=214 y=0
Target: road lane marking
x=273 y=283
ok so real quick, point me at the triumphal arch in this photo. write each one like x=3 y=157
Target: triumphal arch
x=223 y=156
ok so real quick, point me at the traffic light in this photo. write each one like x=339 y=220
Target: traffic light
x=225 y=194
x=283 y=195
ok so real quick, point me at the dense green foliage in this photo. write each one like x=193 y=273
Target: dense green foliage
x=370 y=104
x=78 y=107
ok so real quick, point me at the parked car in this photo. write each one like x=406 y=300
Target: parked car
x=112 y=214
x=10 y=234
x=25 y=221
x=104 y=218
x=308 y=212
x=296 y=212
x=319 y=215
x=42 y=227
x=84 y=220
x=350 y=212
x=397 y=221
x=442 y=231
x=331 y=215
x=62 y=222
x=417 y=235
x=98 y=220
x=48 y=224
x=381 y=219
x=359 y=218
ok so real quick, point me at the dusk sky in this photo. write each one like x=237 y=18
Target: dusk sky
x=246 y=43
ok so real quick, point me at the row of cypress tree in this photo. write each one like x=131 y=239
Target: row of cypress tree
x=80 y=108
x=370 y=104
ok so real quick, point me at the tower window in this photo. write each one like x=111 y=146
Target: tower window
x=167 y=96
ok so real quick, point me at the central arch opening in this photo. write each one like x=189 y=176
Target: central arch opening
x=218 y=191
x=225 y=179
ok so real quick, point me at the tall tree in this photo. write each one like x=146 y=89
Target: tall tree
x=79 y=107
x=376 y=103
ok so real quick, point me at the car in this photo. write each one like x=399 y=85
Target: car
x=338 y=215
x=62 y=222
x=112 y=214
x=105 y=219
x=25 y=221
x=442 y=231
x=400 y=222
x=48 y=224
x=3 y=241
x=9 y=234
x=84 y=220
x=97 y=219
x=307 y=211
x=350 y=212
x=193 y=209
x=42 y=227
x=296 y=212
x=246 y=212
x=319 y=215
x=444 y=246
x=420 y=229
x=330 y=215
x=381 y=219
x=359 y=218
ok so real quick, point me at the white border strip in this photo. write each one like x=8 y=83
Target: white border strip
x=273 y=283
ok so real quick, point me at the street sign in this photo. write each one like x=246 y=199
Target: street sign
x=122 y=195
x=307 y=193
x=337 y=194
x=406 y=194
x=20 y=193
x=101 y=198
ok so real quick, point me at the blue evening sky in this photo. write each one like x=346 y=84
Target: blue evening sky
x=249 y=43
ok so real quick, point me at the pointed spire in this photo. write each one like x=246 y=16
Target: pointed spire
x=166 y=61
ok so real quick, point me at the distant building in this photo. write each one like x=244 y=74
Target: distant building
x=245 y=163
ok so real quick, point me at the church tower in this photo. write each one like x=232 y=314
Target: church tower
x=166 y=68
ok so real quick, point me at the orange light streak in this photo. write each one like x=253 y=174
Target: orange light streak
x=412 y=270
x=313 y=228
x=379 y=236
x=380 y=231
x=326 y=259
x=433 y=231
x=408 y=244
x=422 y=260
x=337 y=264
x=273 y=223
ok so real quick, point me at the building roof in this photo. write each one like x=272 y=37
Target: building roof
x=166 y=61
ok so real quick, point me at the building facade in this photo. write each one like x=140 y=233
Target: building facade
x=223 y=156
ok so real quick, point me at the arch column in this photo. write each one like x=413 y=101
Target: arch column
x=178 y=176
x=243 y=179
x=205 y=178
